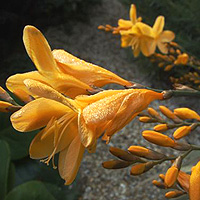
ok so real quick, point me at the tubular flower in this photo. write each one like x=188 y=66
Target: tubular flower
x=194 y=188
x=67 y=74
x=140 y=37
x=161 y=37
x=73 y=125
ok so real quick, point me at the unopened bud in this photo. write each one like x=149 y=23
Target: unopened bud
x=146 y=153
x=115 y=164
x=171 y=176
x=159 y=184
x=146 y=119
x=168 y=113
x=182 y=132
x=8 y=107
x=158 y=138
x=168 y=68
x=141 y=168
x=161 y=127
x=186 y=113
x=162 y=177
x=174 y=194
x=124 y=155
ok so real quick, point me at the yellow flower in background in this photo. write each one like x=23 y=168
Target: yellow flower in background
x=66 y=73
x=161 y=37
x=140 y=37
x=73 y=125
x=127 y=24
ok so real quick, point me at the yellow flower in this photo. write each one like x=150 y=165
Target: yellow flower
x=161 y=37
x=194 y=188
x=66 y=73
x=73 y=125
x=140 y=37
x=127 y=24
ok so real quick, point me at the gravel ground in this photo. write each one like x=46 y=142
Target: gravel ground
x=87 y=42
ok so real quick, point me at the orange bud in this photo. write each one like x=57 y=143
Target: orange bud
x=158 y=138
x=174 y=194
x=159 y=184
x=162 y=177
x=168 y=113
x=194 y=188
x=146 y=153
x=141 y=168
x=101 y=27
x=178 y=51
x=181 y=132
x=161 y=64
x=5 y=96
x=182 y=59
x=168 y=68
x=154 y=113
x=124 y=155
x=146 y=119
x=186 y=113
x=171 y=176
x=160 y=127
x=115 y=164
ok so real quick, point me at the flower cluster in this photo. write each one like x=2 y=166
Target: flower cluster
x=64 y=99
x=142 y=159
x=140 y=36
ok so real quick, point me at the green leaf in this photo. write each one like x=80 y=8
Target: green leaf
x=18 y=142
x=33 y=190
x=4 y=168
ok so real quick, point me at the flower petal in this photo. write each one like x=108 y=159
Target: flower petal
x=46 y=142
x=159 y=25
x=39 y=50
x=37 y=114
x=16 y=81
x=147 y=47
x=162 y=47
x=86 y=72
x=133 y=14
x=167 y=36
x=124 y=23
x=70 y=160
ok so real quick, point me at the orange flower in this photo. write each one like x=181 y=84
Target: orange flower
x=73 y=125
x=194 y=188
x=67 y=74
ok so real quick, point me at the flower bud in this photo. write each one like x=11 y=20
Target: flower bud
x=174 y=194
x=141 y=168
x=168 y=68
x=168 y=113
x=159 y=184
x=182 y=59
x=146 y=119
x=162 y=177
x=181 y=132
x=172 y=172
x=194 y=188
x=146 y=153
x=160 y=127
x=115 y=164
x=186 y=113
x=154 y=113
x=124 y=155
x=158 y=138
x=171 y=176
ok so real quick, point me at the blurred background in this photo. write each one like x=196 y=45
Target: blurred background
x=72 y=25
